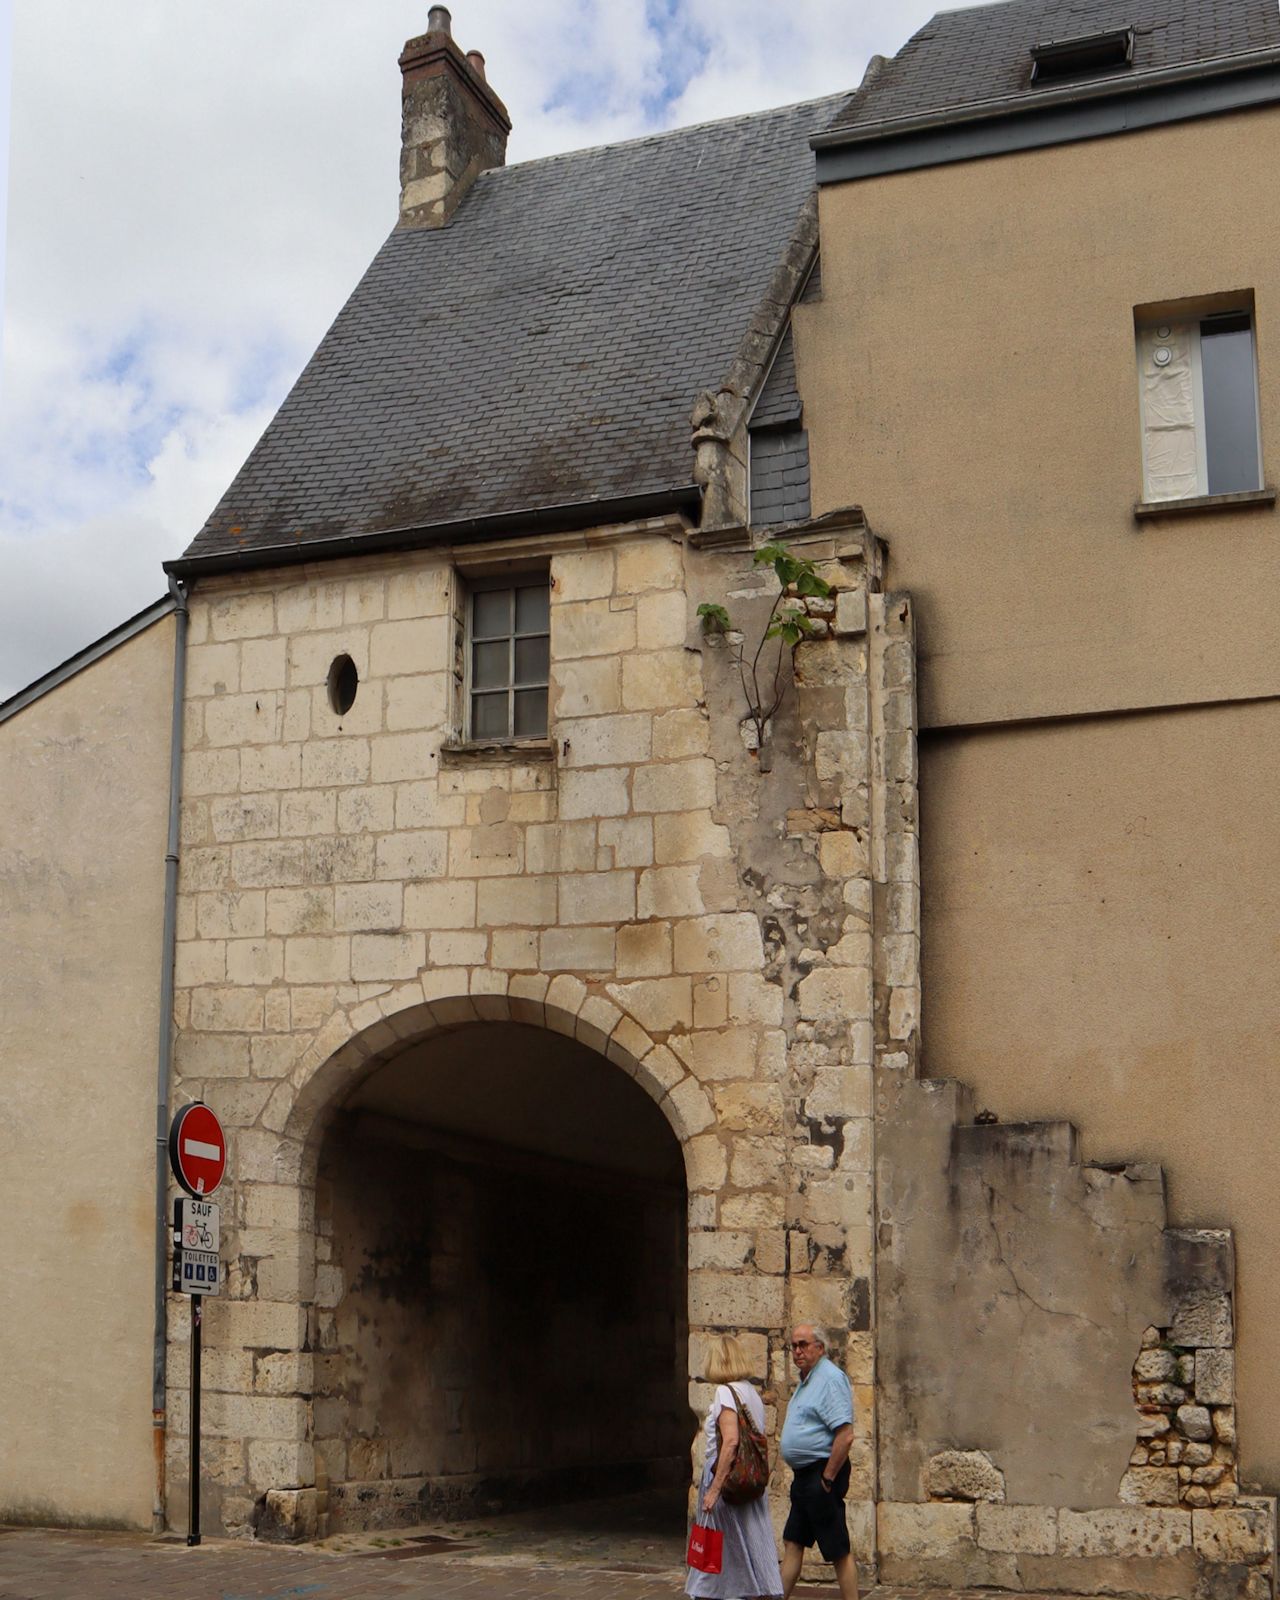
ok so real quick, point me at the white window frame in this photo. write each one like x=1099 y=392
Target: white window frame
x=1185 y=319
x=540 y=579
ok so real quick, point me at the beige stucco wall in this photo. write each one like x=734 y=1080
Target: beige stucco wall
x=1100 y=934
x=969 y=378
x=83 y=792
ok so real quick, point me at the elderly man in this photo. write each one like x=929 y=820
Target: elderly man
x=815 y=1444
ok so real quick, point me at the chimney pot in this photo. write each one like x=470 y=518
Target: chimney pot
x=477 y=61
x=439 y=20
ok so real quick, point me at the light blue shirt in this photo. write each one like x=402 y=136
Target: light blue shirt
x=820 y=1407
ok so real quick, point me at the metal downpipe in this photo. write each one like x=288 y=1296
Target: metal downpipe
x=164 y=1052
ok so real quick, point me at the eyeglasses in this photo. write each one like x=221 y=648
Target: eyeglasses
x=802 y=1344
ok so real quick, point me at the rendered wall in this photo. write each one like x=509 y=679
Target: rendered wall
x=969 y=378
x=84 y=784
x=1100 y=920
x=1096 y=920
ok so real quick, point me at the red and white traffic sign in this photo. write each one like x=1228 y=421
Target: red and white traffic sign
x=197 y=1149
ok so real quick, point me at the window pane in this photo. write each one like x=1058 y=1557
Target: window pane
x=533 y=657
x=491 y=665
x=490 y=613
x=489 y=716
x=533 y=609
x=531 y=713
x=1230 y=409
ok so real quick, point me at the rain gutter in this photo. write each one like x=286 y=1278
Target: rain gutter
x=414 y=536
x=1031 y=120
x=164 y=1053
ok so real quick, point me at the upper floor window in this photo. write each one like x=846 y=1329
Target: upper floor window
x=1199 y=383
x=508 y=658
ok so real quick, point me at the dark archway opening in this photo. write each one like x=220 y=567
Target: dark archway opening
x=501 y=1313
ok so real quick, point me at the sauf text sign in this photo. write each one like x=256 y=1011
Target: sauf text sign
x=196 y=1235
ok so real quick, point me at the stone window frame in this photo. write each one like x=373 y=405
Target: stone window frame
x=1168 y=326
x=469 y=579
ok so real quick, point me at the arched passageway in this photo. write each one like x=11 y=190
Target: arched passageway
x=501 y=1282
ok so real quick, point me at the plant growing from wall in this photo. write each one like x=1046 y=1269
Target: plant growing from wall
x=763 y=683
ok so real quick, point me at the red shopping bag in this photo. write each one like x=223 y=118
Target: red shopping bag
x=706 y=1548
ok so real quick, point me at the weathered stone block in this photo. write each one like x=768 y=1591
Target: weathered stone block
x=416 y=644
x=655 y=563
x=242 y=616
x=735 y=1300
x=289 y=1516
x=675 y=786
x=597 y=897
x=598 y=792
x=1124 y=1533
x=1215 y=1377
x=684 y=732
x=834 y=994
x=625 y=842
x=749 y=1107
x=391 y=956
x=307 y=814
x=1155 y=1366
x=582 y=575
x=644 y=950
x=1149 y=1486
x=587 y=688
x=720 y=1053
x=657 y=1004
x=1243 y=1533
x=706 y=1168
x=590 y=628
x=1204 y=1323
x=688 y=836
x=963 y=1475
x=925 y=1530
x=1195 y=1422
x=1032 y=1530
x=658 y=679
x=730 y=942
x=577 y=949
x=670 y=892
x=604 y=741
x=422 y=854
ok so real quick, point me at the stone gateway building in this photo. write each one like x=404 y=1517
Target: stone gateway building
x=557 y=1020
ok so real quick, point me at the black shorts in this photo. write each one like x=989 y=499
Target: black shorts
x=817 y=1514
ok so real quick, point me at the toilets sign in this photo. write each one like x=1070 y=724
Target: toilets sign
x=197 y=1149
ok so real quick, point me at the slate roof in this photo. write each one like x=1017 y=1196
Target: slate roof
x=961 y=58
x=545 y=348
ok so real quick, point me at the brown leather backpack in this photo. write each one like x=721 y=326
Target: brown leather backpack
x=749 y=1475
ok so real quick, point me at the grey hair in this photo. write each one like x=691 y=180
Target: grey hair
x=819 y=1334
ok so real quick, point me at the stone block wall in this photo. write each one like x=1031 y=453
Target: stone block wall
x=352 y=883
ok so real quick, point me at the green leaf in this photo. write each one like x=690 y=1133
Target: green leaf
x=715 y=619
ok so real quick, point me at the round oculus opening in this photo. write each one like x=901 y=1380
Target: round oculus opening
x=344 y=680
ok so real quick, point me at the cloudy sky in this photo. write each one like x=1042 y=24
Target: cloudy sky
x=196 y=185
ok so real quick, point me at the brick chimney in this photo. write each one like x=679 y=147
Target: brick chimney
x=453 y=126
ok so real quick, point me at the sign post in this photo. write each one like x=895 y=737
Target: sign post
x=198 y=1156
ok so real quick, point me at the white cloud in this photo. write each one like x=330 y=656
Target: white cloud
x=195 y=189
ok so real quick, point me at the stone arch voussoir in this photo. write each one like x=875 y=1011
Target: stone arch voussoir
x=354 y=1039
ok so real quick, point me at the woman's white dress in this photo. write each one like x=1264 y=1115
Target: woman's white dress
x=750 y=1563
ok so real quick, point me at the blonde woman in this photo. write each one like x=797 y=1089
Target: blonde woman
x=749 y=1568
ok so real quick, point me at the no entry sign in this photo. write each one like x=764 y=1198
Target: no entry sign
x=197 y=1149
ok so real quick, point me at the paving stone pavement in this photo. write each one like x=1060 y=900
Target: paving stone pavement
x=42 y=1564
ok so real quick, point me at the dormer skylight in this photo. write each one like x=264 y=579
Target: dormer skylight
x=1084 y=55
